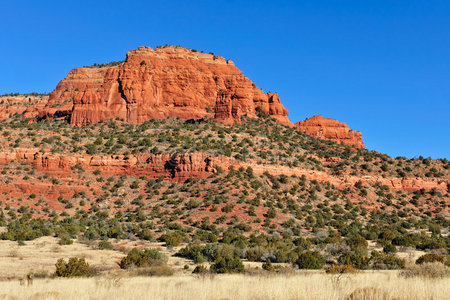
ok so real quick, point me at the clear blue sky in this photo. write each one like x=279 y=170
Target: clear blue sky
x=383 y=67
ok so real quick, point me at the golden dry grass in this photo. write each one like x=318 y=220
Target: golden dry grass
x=384 y=285
x=41 y=254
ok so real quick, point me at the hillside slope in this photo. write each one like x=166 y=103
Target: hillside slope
x=178 y=146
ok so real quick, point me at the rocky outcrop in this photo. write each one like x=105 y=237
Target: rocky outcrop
x=197 y=165
x=330 y=129
x=27 y=106
x=170 y=166
x=160 y=83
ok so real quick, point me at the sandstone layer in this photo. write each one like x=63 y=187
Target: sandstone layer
x=160 y=83
x=27 y=105
x=197 y=165
x=330 y=129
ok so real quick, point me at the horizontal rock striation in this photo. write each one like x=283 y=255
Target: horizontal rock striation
x=197 y=165
x=27 y=105
x=170 y=166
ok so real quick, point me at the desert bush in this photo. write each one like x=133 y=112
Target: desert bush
x=105 y=245
x=255 y=253
x=172 y=239
x=267 y=265
x=432 y=257
x=142 y=258
x=75 y=267
x=387 y=262
x=65 y=240
x=200 y=269
x=356 y=260
x=199 y=253
x=310 y=260
x=191 y=251
x=146 y=234
x=227 y=264
x=426 y=270
x=357 y=243
x=389 y=248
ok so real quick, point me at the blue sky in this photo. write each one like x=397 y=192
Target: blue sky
x=383 y=67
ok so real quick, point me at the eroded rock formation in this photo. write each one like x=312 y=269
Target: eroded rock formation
x=330 y=129
x=158 y=83
x=174 y=167
x=27 y=105
x=196 y=165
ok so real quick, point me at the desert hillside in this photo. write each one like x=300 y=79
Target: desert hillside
x=177 y=150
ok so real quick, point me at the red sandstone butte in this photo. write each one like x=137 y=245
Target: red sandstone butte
x=330 y=129
x=160 y=83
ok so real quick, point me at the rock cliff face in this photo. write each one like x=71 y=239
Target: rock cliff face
x=160 y=83
x=330 y=129
x=27 y=105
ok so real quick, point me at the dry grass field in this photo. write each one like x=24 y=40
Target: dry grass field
x=378 y=285
x=40 y=255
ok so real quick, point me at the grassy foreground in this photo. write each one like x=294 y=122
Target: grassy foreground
x=374 y=285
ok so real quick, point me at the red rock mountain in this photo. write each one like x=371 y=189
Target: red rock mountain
x=175 y=82
x=160 y=83
x=330 y=129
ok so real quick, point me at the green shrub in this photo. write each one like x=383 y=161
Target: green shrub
x=356 y=260
x=267 y=265
x=172 y=239
x=146 y=234
x=142 y=258
x=228 y=264
x=75 y=267
x=389 y=248
x=387 y=262
x=357 y=243
x=199 y=253
x=310 y=260
x=65 y=240
x=255 y=253
x=190 y=251
x=105 y=245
